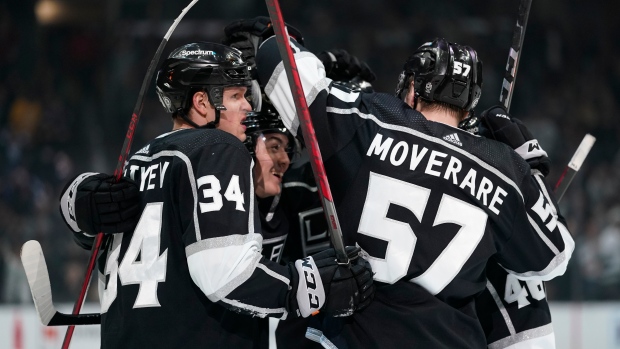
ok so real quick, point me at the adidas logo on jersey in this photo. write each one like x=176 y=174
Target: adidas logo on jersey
x=144 y=150
x=453 y=138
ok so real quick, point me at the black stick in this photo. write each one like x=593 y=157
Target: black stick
x=54 y=318
x=333 y=225
x=514 y=56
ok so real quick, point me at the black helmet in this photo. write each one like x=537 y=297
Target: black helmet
x=265 y=121
x=200 y=66
x=444 y=72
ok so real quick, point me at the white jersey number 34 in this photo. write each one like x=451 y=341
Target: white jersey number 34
x=383 y=191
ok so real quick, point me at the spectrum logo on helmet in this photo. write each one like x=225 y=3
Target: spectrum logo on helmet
x=197 y=53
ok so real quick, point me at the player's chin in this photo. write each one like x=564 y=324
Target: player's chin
x=272 y=188
x=242 y=136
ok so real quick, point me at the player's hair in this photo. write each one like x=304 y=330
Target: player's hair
x=443 y=72
x=199 y=66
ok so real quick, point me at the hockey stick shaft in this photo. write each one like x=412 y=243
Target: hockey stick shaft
x=307 y=129
x=514 y=55
x=573 y=166
x=118 y=172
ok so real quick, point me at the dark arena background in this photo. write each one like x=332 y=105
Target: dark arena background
x=71 y=70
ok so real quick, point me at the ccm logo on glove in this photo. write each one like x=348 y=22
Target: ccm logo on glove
x=311 y=294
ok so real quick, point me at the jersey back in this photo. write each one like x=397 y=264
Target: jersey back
x=148 y=297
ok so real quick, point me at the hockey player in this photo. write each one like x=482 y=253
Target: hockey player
x=196 y=248
x=429 y=203
x=510 y=311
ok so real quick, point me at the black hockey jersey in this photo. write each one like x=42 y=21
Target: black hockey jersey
x=429 y=203
x=195 y=253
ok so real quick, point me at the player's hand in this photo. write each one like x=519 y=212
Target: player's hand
x=246 y=35
x=102 y=205
x=499 y=125
x=471 y=124
x=320 y=283
x=342 y=66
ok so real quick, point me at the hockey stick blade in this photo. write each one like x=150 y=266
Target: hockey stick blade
x=118 y=172
x=40 y=287
x=307 y=129
x=574 y=165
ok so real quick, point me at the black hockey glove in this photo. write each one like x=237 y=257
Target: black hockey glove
x=98 y=204
x=499 y=125
x=246 y=35
x=342 y=66
x=320 y=283
x=471 y=124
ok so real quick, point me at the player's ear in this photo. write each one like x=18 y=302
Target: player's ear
x=200 y=102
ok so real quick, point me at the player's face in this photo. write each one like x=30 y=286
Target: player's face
x=236 y=107
x=272 y=161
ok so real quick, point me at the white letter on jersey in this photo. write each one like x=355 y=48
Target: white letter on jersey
x=380 y=148
x=394 y=153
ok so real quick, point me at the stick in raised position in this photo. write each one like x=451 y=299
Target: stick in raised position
x=333 y=225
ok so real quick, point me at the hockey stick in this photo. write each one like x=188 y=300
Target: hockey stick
x=514 y=56
x=573 y=166
x=34 y=264
x=307 y=129
x=48 y=314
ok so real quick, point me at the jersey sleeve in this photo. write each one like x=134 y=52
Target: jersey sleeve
x=221 y=232
x=319 y=91
x=541 y=245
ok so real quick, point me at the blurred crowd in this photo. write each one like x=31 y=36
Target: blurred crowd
x=67 y=92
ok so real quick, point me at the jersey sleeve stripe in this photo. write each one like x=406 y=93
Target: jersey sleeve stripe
x=300 y=184
x=252 y=198
x=223 y=241
x=273 y=273
x=428 y=138
x=542 y=236
x=258 y=311
x=556 y=267
x=501 y=307
x=541 y=337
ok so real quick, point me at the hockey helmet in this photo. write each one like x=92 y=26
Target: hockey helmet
x=444 y=72
x=261 y=123
x=200 y=66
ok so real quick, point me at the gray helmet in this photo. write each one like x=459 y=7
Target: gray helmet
x=444 y=72
x=200 y=66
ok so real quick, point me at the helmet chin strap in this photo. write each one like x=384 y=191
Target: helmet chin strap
x=211 y=124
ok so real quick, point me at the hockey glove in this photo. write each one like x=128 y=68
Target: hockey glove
x=247 y=35
x=499 y=125
x=342 y=66
x=96 y=203
x=320 y=283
